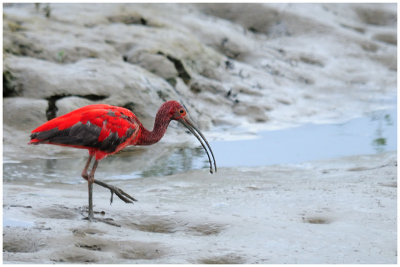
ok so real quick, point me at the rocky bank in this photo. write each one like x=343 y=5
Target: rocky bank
x=247 y=66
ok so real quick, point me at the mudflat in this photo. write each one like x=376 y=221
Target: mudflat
x=337 y=211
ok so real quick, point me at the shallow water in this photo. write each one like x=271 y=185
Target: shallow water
x=371 y=134
x=7 y=222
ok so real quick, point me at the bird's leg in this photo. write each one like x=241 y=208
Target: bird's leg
x=119 y=192
x=90 y=188
x=90 y=178
x=85 y=174
x=90 y=208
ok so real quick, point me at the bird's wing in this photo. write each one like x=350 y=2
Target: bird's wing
x=71 y=118
x=101 y=127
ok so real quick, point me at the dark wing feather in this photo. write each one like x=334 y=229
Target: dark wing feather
x=96 y=128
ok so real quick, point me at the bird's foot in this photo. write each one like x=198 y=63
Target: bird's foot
x=89 y=218
x=119 y=192
x=109 y=221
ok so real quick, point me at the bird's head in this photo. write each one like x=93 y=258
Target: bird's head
x=177 y=112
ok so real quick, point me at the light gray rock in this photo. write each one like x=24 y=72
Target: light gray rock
x=24 y=113
x=260 y=66
x=155 y=63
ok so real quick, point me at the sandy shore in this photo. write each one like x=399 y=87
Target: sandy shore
x=338 y=211
x=239 y=69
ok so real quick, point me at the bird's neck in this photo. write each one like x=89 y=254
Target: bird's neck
x=150 y=137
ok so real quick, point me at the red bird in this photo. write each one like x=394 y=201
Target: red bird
x=104 y=130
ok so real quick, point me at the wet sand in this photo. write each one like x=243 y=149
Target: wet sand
x=240 y=69
x=336 y=211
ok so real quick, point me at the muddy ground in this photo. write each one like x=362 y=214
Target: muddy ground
x=238 y=69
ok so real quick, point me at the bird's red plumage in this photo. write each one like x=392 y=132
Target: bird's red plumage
x=107 y=129
x=83 y=114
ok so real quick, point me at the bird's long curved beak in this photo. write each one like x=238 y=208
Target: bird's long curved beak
x=188 y=124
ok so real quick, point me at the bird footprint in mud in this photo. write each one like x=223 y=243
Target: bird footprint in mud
x=169 y=225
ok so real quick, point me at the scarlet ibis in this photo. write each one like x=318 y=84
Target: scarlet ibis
x=104 y=130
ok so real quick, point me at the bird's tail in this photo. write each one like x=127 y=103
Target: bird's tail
x=34 y=140
x=42 y=137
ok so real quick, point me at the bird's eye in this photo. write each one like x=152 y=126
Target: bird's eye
x=181 y=111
